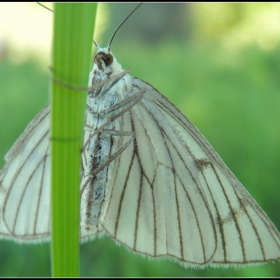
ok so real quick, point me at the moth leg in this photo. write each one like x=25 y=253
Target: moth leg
x=127 y=104
x=116 y=132
x=105 y=84
x=109 y=158
x=91 y=89
x=123 y=105
x=112 y=132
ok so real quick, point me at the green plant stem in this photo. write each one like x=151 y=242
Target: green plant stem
x=73 y=33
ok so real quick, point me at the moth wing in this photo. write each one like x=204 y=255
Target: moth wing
x=25 y=184
x=172 y=196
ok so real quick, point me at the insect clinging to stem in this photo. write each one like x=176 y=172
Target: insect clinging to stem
x=149 y=180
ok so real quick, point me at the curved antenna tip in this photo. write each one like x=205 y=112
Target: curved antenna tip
x=122 y=24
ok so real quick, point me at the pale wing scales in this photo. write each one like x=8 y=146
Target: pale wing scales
x=245 y=234
x=25 y=183
x=116 y=196
x=226 y=221
x=256 y=236
x=237 y=214
x=234 y=251
x=183 y=173
x=154 y=185
x=32 y=196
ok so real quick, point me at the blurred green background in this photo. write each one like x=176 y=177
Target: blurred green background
x=219 y=63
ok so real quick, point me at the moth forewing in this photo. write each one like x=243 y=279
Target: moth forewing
x=25 y=183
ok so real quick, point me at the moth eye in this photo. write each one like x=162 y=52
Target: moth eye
x=108 y=59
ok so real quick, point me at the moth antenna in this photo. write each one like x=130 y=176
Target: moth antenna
x=44 y=6
x=122 y=24
x=97 y=46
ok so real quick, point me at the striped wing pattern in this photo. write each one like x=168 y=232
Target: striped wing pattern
x=168 y=195
x=25 y=183
x=171 y=195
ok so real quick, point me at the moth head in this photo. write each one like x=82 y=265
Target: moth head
x=103 y=59
x=106 y=63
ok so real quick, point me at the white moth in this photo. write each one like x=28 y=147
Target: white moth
x=149 y=180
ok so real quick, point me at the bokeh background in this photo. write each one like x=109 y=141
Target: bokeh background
x=219 y=63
